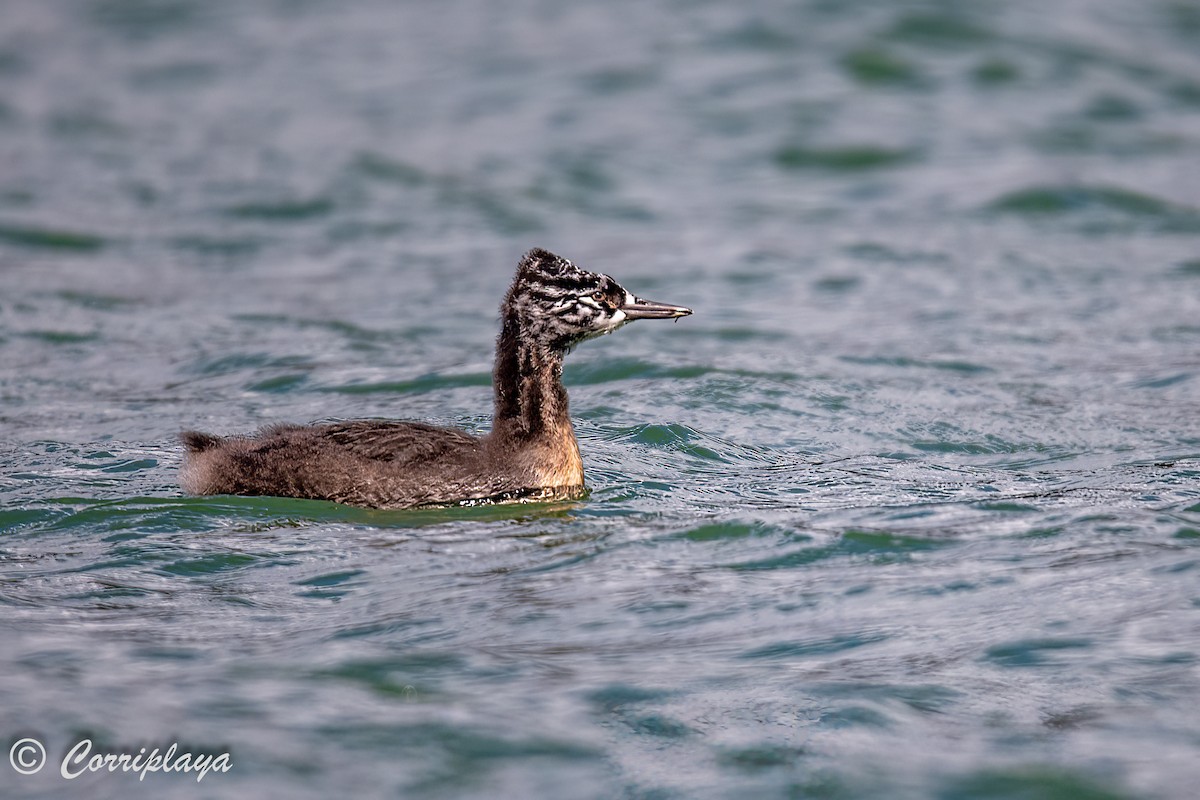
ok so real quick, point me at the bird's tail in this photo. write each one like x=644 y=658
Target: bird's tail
x=197 y=442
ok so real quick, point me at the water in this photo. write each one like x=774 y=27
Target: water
x=909 y=508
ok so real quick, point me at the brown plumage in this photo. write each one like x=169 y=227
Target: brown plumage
x=530 y=453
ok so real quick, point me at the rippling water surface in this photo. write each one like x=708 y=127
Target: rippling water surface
x=909 y=508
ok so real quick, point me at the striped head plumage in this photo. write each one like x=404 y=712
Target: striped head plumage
x=561 y=305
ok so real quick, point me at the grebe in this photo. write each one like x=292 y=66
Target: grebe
x=530 y=453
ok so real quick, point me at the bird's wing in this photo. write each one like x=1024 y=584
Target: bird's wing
x=396 y=442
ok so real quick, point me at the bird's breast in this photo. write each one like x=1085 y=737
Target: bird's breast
x=559 y=463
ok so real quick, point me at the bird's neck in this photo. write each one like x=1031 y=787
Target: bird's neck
x=531 y=402
x=532 y=427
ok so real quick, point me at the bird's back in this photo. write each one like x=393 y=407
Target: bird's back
x=384 y=464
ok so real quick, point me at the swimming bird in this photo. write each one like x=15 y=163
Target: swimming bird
x=531 y=452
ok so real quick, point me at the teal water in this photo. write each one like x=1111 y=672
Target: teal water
x=910 y=507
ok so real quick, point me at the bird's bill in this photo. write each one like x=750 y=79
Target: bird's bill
x=648 y=309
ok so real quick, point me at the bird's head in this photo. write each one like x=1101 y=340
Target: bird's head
x=562 y=305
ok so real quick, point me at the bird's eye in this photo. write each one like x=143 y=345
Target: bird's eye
x=599 y=297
